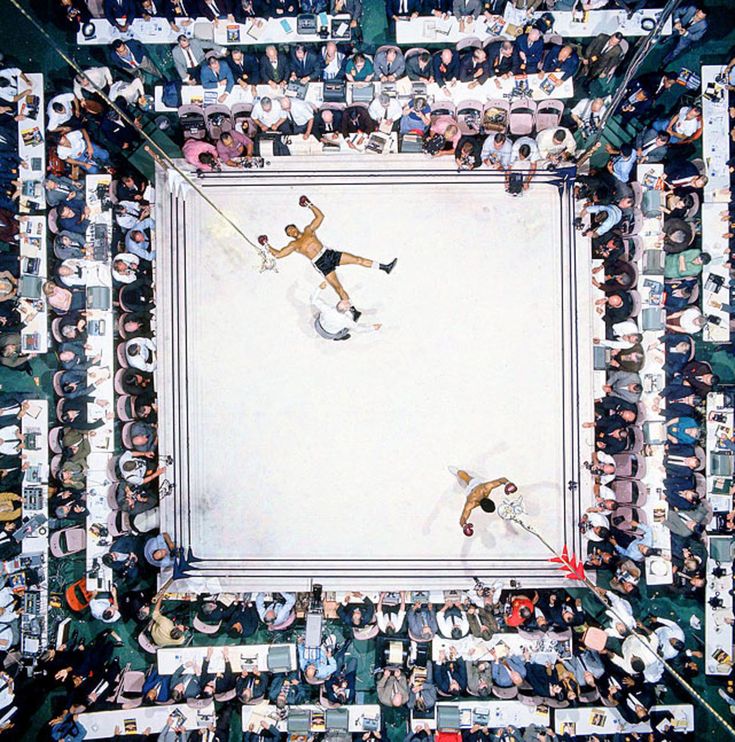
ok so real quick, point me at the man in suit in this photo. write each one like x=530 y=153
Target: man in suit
x=446 y=68
x=327 y=126
x=652 y=145
x=563 y=61
x=119 y=13
x=418 y=67
x=466 y=9
x=529 y=52
x=131 y=57
x=500 y=58
x=397 y=10
x=219 y=76
x=182 y=9
x=602 y=56
x=188 y=55
x=305 y=65
x=274 y=68
x=357 y=120
x=217 y=10
x=184 y=685
x=244 y=67
x=148 y=9
x=690 y=25
x=389 y=64
x=473 y=69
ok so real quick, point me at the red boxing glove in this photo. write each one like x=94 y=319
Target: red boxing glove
x=468 y=529
x=510 y=488
x=263 y=239
x=304 y=201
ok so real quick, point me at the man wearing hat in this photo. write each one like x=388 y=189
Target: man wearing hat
x=478 y=494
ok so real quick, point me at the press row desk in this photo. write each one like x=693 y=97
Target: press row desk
x=501 y=713
x=35 y=421
x=716 y=279
x=34 y=312
x=715 y=432
x=475 y=649
x=169 y=659
x=269 y=713
x=613 y=723
x=433 y=30
x=101 y=724
x=255 y=31
x=99 y=479
x=493 y=89
x=32 y=147
x=718 y=633
x=653 y=377
x=715 y=137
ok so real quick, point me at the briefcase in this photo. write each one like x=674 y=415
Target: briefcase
x=298 y=721
x=279 y=658
x=306 y=24
x=335 y=91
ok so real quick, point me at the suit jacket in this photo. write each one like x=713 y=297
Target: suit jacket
x=429 y=6
x=496 y=63
x=565 y=69
x=183 y=8
x=248 y=70
x=468 y=67
x=356 y=118
x=413 y=70
x=163 y=9
x=451 y=72
x=463 y=8
x=352 y=7
x=310 y=66
x=180 y=61
x=114 y=9
x=655 y=154
x=268 y=73
x=397 y=67
x=393 y=8
x=534 y=53
x=603 y=62
x=224 y=6
x=211 y=80
x=319 y=129
x=695 y=32
x=136 y=49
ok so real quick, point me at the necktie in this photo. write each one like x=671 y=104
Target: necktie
x=404 y=8
x=190 y=55
x=214 y=7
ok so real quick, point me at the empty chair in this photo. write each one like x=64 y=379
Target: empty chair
x=469 y=42
x=628 y=491
x=217 y=119
x=623 y=516
x=495 y=116
x=522 y=116
x=76 y=595
x=55 y=436
x=506 y=694
x=548 y=114
x=469 y=117
x=191 y=118
x=629 y=467
x=68 y=541
x=130 y=691
x=205 y=628
x=443 y=108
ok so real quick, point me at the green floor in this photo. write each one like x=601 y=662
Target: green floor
x=25 y=48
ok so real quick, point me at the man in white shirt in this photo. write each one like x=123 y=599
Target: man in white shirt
x=497 y=152
x=140 y=353
x=105 y=609
x=268 y=114
x=531 y=142
x=10 y=89
x=386 y=111
x=588 y=115
x=334 y=321
x=556 y=145
x=299 y=116
x=60 y=109
x=94 y=77
x=684 y=127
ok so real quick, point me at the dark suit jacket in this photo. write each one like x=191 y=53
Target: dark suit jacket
x=281 y=72
x=356 y=118
x=114 y=9
x=310 y=66
x=565 y=69
x=319 y=128
x=496 y=63
x=414 y=72
x=248 y=70
x=441 y=77
x=468 y=67
x=163 y=9
x=136 y=49
x=392 y=7
x=429 y=6
x=604 y=62
x=225 y=8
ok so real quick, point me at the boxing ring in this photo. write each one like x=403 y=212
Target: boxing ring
x=300 y=460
